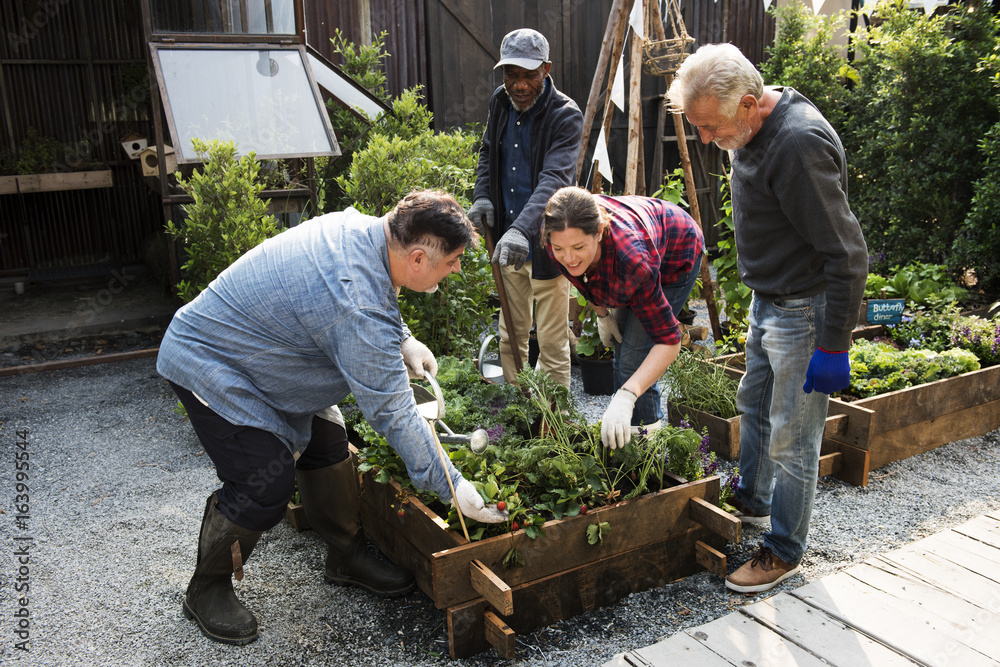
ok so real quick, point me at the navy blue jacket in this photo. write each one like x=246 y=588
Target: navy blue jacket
x=556 y=132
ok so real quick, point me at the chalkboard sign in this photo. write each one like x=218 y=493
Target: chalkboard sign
x=885 y=311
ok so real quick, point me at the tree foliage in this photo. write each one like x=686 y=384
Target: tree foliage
x=914 y=127
x=227 y=217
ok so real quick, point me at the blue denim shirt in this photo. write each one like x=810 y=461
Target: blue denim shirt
x=294 y=326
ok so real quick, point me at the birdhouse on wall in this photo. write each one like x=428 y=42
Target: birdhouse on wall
x=134 y=144
x=150 y=162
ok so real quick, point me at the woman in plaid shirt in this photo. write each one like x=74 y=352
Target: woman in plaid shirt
x=635 y=259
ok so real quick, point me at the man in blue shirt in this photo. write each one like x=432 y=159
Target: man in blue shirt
x=291 y=328
x=528 y=152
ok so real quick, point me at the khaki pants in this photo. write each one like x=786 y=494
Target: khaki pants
x=551 y=316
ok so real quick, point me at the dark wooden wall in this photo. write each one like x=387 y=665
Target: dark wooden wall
x=76 y=70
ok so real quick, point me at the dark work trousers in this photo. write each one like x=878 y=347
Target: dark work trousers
x=256 y=468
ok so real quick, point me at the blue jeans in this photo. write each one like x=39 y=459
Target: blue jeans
x=636 y=344
x=781 y=428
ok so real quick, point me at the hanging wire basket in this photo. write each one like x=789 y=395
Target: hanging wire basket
x=663 y=57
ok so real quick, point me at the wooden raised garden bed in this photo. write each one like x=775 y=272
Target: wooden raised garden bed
x=653 y=539
x=723 y=434
x=865 y=434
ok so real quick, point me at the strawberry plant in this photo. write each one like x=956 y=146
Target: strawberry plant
x=558 y=469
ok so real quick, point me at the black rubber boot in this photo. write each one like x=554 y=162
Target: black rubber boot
x=210 y=600
x=330 y=498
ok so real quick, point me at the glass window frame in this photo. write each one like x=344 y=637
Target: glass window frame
x=156 y=47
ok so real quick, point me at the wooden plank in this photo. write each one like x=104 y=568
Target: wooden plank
x=905 y=628
x=978 y=625
x=923 y=436
x=72 y=180
x=830 y=464
x=857 y=431
x=500 y=636
x=82 y=361
x=565 y=544
x=723 y=434
x=8 y=185
x=937 y=571
x=932 y=400
x=743 y=641
x=966 y=552
x=981 y=528
x=568 y=593
x=855 y=464
x=714 y=518
x=679 y=649
x=820 y=634
x=711 y=559
x=493 y=588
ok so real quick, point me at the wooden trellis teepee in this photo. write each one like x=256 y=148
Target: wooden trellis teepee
x=659 y=57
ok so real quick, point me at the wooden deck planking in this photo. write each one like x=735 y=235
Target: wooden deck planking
x=735 y=637
x=821 y=634
x=905 y=628
x=933 y=602
x=968 y=618
x=683 y=649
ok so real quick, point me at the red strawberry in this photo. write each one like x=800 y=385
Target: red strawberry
x=501 y=506
x=401 y=512
x=583 y=509
x=514 y=526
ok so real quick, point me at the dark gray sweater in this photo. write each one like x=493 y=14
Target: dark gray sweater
x=795 y=233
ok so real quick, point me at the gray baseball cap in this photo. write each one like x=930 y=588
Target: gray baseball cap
x=525 y=48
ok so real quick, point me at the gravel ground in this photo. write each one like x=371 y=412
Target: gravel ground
x=117 y=484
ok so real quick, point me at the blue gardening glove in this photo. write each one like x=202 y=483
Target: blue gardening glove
x=481 y=214
x=828 y=372
x=512 y=249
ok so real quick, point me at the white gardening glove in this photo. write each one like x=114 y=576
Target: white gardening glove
x=512 y=249
x=607 y=327
x=616 y=424
x=417 y=358
x=472 y=505
x=481 y=214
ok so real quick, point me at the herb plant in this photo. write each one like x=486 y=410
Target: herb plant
x=560 y=469
x=701 y=385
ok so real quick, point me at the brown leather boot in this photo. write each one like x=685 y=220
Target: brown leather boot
x=210 y=598
x=331 y=500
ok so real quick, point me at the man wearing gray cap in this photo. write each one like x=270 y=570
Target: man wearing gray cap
x=528 y=152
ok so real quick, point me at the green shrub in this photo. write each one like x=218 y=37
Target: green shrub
x=730 y=290
x=803 y=57
x=924 y=286
x=977 y=244
x=227 y=217
x=913 y=129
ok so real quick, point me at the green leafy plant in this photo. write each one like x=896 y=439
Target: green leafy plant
x=804 y=57
x=561 y=469
x=977 y=243
x=940 y=332
x=227 y=217
x=924 y=286
x=730 y=289
x=699 y=384
x=588 y=343
x=595 y=532
x=40 y=154
x=913 y=161
x=672 y=189
x=878 y=367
